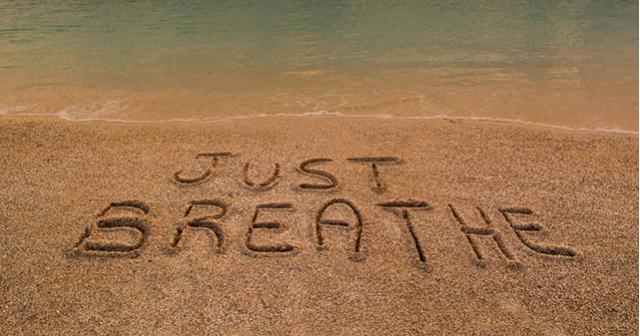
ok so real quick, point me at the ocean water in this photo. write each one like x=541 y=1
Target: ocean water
x=562 y=63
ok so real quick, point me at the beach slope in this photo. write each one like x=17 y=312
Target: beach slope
x=319 y=225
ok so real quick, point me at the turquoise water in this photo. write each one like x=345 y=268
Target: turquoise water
x=563 y=63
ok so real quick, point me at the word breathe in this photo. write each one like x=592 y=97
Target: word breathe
x=211 y=215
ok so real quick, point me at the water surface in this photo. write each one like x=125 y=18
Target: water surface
x=563 y=63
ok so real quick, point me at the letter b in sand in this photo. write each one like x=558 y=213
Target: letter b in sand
x=121 y=230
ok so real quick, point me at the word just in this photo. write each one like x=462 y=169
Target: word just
x=329 y=181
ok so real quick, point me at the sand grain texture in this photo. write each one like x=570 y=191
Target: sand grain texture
x=553 y=216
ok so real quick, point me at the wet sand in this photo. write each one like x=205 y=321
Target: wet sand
x=308 y=226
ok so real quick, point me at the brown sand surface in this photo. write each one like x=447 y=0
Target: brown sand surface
x=405 y=227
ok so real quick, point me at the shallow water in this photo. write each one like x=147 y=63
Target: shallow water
x=563 y=63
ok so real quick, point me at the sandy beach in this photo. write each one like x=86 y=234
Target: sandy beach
x=316 y=226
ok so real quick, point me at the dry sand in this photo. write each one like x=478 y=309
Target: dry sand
x=462 y=228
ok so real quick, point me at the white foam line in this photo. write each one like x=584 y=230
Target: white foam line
x=65 y=116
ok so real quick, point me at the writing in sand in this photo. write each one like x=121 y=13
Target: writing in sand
x=131 y=218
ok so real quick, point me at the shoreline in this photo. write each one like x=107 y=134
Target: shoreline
x=324 y=114
x=317 y=226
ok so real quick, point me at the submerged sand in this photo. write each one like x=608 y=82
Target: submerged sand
x=308 y=226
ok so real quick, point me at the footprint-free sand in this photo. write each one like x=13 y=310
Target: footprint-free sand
x=316 y=226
